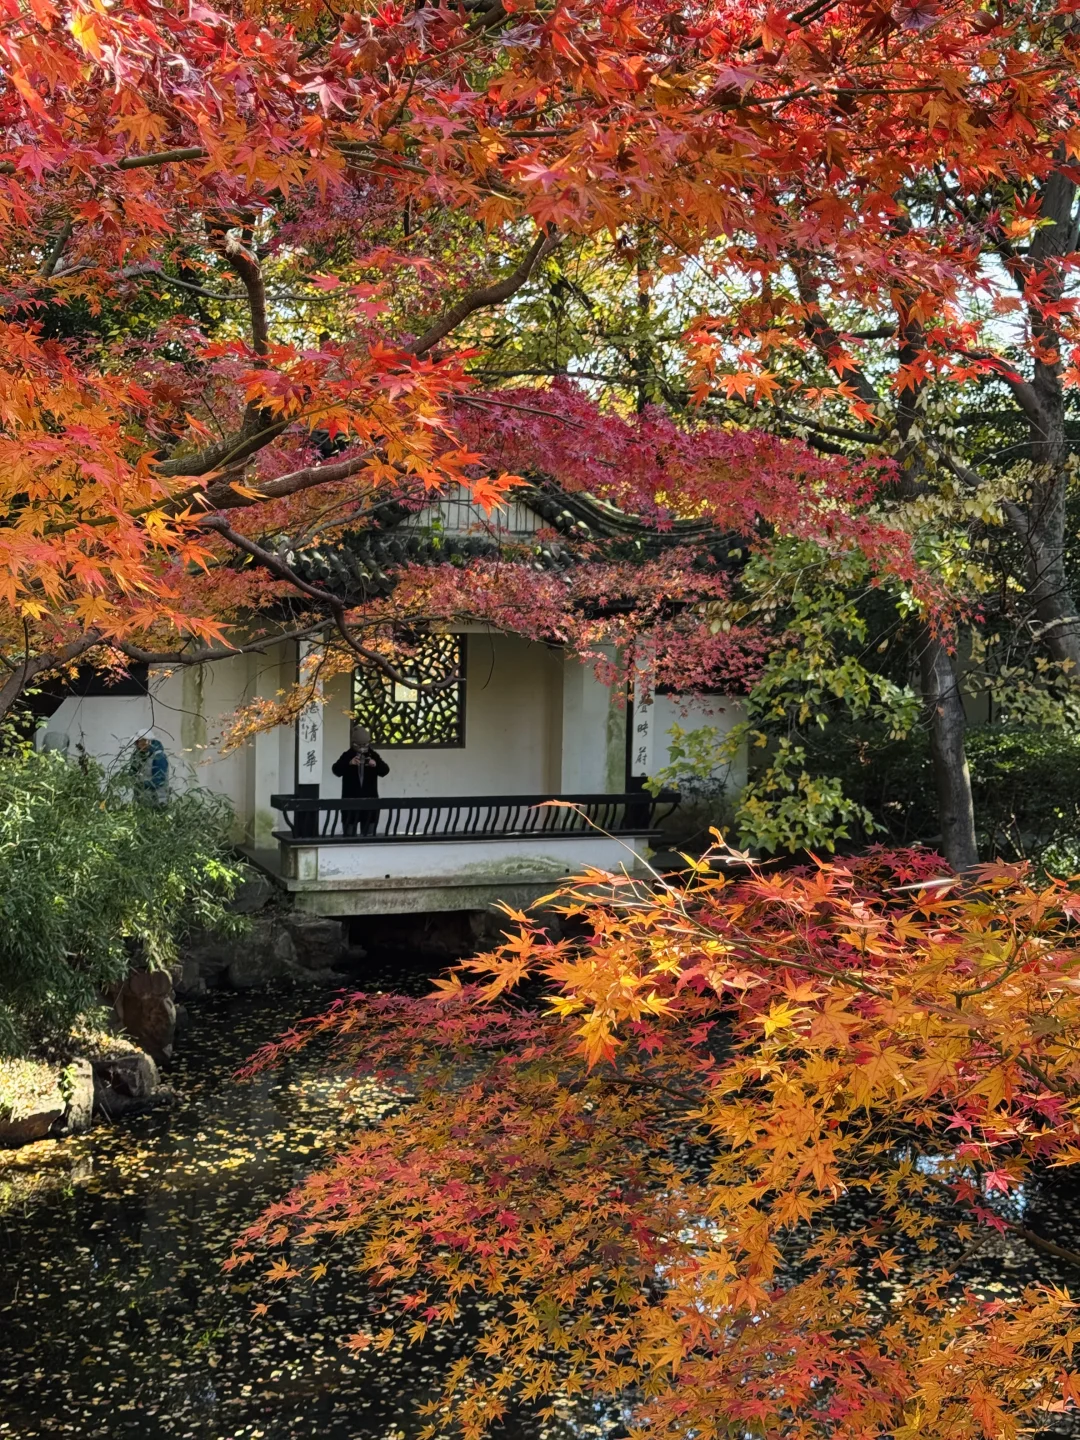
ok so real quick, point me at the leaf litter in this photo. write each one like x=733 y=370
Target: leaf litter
x=116 y=1318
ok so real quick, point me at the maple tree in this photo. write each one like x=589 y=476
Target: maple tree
x=725 y=1153
x=245 y=254
x=914 y=368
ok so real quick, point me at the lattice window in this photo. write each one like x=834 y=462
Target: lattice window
x=400 y=716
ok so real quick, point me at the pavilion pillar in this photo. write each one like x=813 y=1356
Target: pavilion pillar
x=311 y=721
x=593 y=733
x=270 y=762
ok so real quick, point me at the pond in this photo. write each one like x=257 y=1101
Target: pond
x=116 y=1319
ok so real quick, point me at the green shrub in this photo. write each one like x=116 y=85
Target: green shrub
x=1025 y=785
x=91 y=877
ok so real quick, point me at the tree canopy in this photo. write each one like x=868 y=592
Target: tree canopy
x=265 y=267
x=253 y=261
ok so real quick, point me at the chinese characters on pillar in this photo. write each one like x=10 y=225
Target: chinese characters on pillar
x=309 y=724
x=309 y=762
x=641 y=747
x=641 y=734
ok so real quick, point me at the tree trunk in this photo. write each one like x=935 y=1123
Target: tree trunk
x=1048 y=588
x=943 y=704
x=952 y=780
x=1040 y=523
x=23 y=675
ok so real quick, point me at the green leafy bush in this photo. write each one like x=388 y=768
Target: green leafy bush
x=1025 y=785
x=90 y=876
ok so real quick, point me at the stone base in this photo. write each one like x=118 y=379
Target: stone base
x=125 y=1082
x=67 y=1111
x=145 y=1007
x=278 y=945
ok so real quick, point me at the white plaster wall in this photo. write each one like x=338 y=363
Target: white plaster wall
x=104 y=726
x=652 y=724
x=513 y=728
x=588 y=724
x=536 y=721
x=187 y=709
x=469 y=861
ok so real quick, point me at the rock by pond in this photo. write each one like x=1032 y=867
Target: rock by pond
x=52 y=1100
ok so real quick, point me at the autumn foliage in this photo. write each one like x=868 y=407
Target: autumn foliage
x=246 y=254
x=727 y=1154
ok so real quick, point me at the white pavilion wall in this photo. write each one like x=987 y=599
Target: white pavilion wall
x=536 y=721
x=513 y=728
x=652 y=732
x=187 y=708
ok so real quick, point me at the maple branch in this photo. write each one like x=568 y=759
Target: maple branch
x=57 y=249
x=281 y=570
x=493 y=294
x=1023 y=392
x=1049 y=1246
x=256 y=431
x=252 y=438
x=29 y=669
x=482 y=402
x=250 y=273
x=155 y=272
x=863 y=437
x=826 y=340
x=259 y=426
x=222 y=496
x=1037 y=1241
x=640 y=1084
x=135 y=162
x=208 y=654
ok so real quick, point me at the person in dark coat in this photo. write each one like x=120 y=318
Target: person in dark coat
x=360 y=768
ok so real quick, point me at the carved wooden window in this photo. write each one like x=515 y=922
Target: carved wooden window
x=402 y=716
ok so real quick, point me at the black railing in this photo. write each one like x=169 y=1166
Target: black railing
x=470 y=817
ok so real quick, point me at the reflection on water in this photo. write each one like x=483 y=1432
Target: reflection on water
x=115 y=1317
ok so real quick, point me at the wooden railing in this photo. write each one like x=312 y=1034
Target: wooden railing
x=469 y=817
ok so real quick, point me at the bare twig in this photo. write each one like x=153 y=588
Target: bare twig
x=135 y=162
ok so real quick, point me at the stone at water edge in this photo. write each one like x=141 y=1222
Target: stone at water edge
x=66 y=1111
x=124 y=1082
x=147 y=1011
x=275 y=946
x=265 y=953
x=318 y=942
x=79 y=1081
x=253 y=895
x=38 y=1125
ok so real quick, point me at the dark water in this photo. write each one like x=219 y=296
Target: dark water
x=116 y=1319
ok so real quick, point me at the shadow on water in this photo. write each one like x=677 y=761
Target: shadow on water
x=116 y=1319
